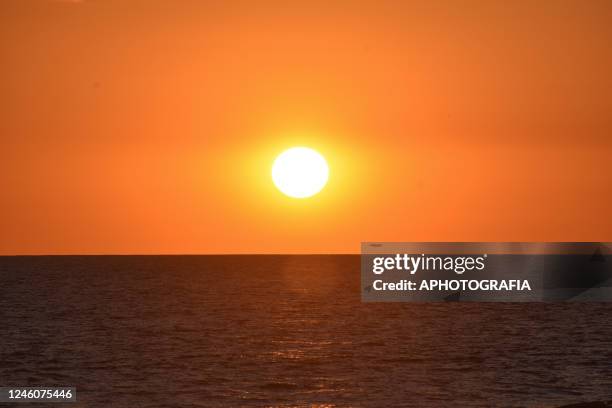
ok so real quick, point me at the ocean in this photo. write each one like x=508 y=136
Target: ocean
x=283 y=331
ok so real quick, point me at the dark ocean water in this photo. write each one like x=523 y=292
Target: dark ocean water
x=231 y=331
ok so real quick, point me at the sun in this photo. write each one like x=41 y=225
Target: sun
x=300 y=172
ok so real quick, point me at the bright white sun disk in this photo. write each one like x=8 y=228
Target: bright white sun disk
x=300 y=172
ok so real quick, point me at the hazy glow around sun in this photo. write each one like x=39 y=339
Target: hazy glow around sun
x=300 y=172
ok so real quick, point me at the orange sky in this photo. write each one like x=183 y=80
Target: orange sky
x=150 y=126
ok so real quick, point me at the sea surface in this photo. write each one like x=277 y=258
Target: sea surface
x=283 y=331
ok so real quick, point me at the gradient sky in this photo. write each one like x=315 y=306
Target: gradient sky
x=150 y=126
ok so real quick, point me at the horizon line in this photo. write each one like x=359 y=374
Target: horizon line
x=189 y=254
